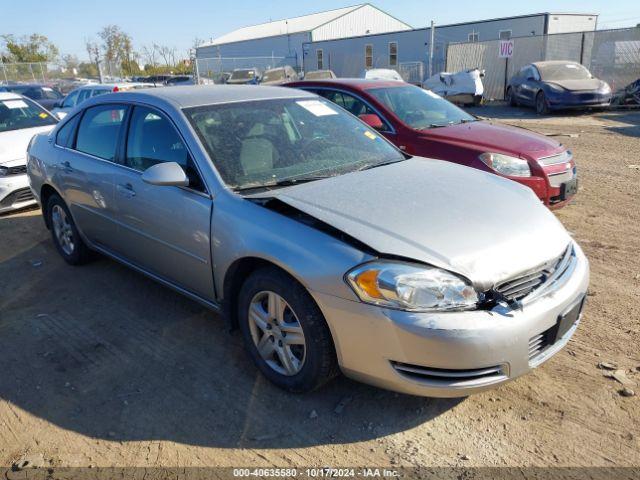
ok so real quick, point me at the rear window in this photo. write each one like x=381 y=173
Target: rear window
x=243 y=74
x=99 y=130
x=274 y=75
x=19 y=113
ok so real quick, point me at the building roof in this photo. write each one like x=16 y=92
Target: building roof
x=287 y=26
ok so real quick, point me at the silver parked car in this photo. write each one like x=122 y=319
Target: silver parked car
x=327 y=246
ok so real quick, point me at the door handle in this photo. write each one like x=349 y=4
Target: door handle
x=66 y=167
x=126 y=189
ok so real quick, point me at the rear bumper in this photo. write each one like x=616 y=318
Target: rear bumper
x=449 y=354
x=15 y=193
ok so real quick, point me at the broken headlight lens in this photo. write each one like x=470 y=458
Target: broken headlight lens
x=412 y=287
x=506 y=165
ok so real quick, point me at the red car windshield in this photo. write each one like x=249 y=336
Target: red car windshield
x=420 y=109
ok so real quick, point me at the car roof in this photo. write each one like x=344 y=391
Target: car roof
x=199 y=95
x=554 y=62
x=357 y=83
x=9 y=96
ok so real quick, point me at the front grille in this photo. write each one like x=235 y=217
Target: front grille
x=523 y=285
x=17 y=170
x=537 y=344
x=19 y=196
x=450 y=377
x=557 y=179
x=23 y=195
x=564 y=157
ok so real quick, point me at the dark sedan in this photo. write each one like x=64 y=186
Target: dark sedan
x=557 y=85
x=46 y=96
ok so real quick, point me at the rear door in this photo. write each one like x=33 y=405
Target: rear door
x=85 y=170
x=164 y=230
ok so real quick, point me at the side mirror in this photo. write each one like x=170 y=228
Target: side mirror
x=165 y=174
x=530 y=79
x=372 y=120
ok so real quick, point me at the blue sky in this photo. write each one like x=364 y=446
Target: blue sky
x=177 y=23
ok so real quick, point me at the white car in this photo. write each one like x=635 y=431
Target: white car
x=79 y=95
x=383 y=74
x=20 y=119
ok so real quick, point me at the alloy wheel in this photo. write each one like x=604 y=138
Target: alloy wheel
x=62 y=229
x=277 y=333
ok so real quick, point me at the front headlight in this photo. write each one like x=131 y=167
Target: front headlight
x=412 y=287
x=555 y=88
x=506 y=165
x=605 y=88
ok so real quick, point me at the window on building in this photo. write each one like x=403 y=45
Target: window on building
x=393 y=54
x=474 y=37
x=320 y=59
x=368 y=56
x=504 y=34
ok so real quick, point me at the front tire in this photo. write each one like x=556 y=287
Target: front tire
x=510 y=98
x=65 y=234
x=541 y=104
x=284 y=332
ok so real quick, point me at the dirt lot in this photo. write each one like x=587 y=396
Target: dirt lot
x=101 y=366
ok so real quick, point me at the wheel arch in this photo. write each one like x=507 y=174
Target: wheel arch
x=46 y=191
x=235 y=276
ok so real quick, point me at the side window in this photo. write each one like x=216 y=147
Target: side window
x=34 y=93
x=64 y=138
x=84 y=94
x=153 y=139
x=99 y=130
x=95 y=93
x=535 y=74
x=50 y=93
x=71 y=99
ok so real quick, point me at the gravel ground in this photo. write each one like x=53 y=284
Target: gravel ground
x=103 y=367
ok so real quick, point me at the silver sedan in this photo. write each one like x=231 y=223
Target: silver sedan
x=329 y=248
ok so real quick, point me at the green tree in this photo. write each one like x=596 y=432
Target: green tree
x=117 y=47
x=29 y=48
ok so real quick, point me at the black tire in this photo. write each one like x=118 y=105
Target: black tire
x=510 y=98
x=320 y=363
x=541 y=104
x=80 y=253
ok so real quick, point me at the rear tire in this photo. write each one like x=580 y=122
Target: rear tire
x=541 y=104
x=65 y=234
x=284 y=332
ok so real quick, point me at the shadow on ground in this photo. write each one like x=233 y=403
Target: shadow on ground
x=103 y=351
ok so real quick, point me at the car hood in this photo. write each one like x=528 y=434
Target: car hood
x=577 y=85
x=474 y=223
x=491 y=137
x=14 y=143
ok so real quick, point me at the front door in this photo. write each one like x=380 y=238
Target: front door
x=164 y=230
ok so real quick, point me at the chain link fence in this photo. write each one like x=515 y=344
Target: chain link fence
x=216 y=69
x=52 y=72
x=611 y=55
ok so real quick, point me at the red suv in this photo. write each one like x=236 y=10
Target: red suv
x=422 y=123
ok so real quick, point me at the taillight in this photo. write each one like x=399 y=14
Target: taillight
x=116 y=89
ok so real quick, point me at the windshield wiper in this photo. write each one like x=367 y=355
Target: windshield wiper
x=369 y=166
x=285 y=182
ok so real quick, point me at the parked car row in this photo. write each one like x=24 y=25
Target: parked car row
x=334 y=244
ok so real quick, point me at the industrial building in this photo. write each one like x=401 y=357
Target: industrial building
x=349 y=57
x=283 y=40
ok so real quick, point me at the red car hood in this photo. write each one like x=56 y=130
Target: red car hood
x=491 y=137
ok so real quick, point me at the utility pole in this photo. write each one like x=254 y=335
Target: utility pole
x=432 y=32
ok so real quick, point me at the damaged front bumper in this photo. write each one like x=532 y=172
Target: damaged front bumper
x=452 y=354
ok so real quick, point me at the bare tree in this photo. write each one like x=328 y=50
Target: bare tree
x=168 y=55
x=150 y=55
